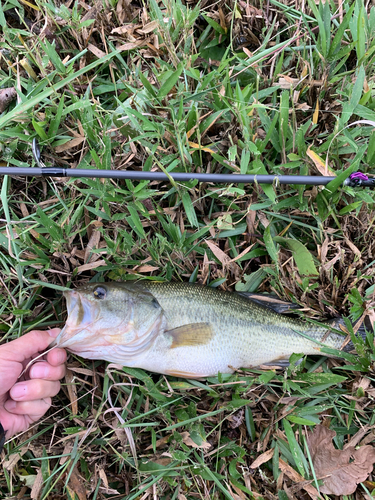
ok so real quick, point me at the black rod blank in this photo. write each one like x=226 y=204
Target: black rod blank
x=160 y=176
x=355 y=180
x=307 y=180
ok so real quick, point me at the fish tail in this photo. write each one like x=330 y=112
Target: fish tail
x=362 y=333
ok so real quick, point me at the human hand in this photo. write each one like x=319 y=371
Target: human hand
x=25 y=401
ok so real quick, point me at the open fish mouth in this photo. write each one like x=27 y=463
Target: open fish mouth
x=82 y=314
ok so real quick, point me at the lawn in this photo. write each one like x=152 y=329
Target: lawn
x=220 y=87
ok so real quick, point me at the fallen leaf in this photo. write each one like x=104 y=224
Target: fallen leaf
x=91 y=265
x=221 y=256
x=91 y=245
x=132 y=45
x=94 y=50
x=37 y=486
x=160 y=442
x=303 y=106
x=341 y=470
x=6 y=97
x=319 y=163
x=72 y=390
x=189 y=442
x=76 y=485
x=125 y=29
x=69 y=145
x=195 y=146
x=12 y=462
x=297 y=478
x=149 y=27
x=104 y=478
x=262 y=459
x=316 y=112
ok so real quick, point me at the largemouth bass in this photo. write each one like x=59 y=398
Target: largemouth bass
x=182 y=329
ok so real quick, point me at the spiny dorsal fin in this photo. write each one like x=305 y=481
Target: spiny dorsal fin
x=271 y=302
x=191 y=335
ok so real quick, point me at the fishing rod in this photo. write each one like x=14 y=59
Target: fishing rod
x=356 y=179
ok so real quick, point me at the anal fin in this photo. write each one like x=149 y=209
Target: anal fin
x=182 y=374
x=192 y=334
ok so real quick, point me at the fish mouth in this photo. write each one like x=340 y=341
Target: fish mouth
x=82 y=313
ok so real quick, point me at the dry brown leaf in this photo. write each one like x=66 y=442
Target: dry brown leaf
x=13 y=460
x=72 y=391
x=195 y=146
x=222 y=256
x=37 y=486
x=6 y=97
x=160 y=442
x=131 y=45
x=145 y=269
x=189 y=442
x=93 y=243
x=342 y=470
x=371 y=317
x=94 y=50
x=103 y=477
x=297 y=478
x=316 y=112
x=262 y=459
x=92 y=265
x=67 y=450
x=319 y=163
x=69 y=145
x=219 y=254
x=303 y=106
x=285 y=82
x=235 y=496
x=149 y=27
x=127 y=28
x=76 y=485
x=352 y=247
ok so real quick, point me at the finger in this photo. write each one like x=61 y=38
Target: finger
x=27 y=345
x=34 y=389
x=56 y=357
x=35 y=409
x=46 y=371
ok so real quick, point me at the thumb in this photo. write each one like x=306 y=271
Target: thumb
x=28 y=345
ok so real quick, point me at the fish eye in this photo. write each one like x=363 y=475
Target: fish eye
x=100 y=292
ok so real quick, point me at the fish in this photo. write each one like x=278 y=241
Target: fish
x=184 y=329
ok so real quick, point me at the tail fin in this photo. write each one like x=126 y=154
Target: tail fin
x=361 y=333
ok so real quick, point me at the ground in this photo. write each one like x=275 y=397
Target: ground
x=221 y=87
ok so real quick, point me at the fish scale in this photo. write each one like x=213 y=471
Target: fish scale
x=182 y=329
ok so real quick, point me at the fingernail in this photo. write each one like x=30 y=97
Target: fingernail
x=60 y=356
x=39 y=371
x=10 y=405
x=54 y=332
x=19 y=391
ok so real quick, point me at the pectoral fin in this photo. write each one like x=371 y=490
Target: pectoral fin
x=191 y=335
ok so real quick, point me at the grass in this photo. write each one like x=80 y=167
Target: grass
x=217 y=87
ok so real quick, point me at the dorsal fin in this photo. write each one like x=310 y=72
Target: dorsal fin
x=191 y=335
x=271 y=302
